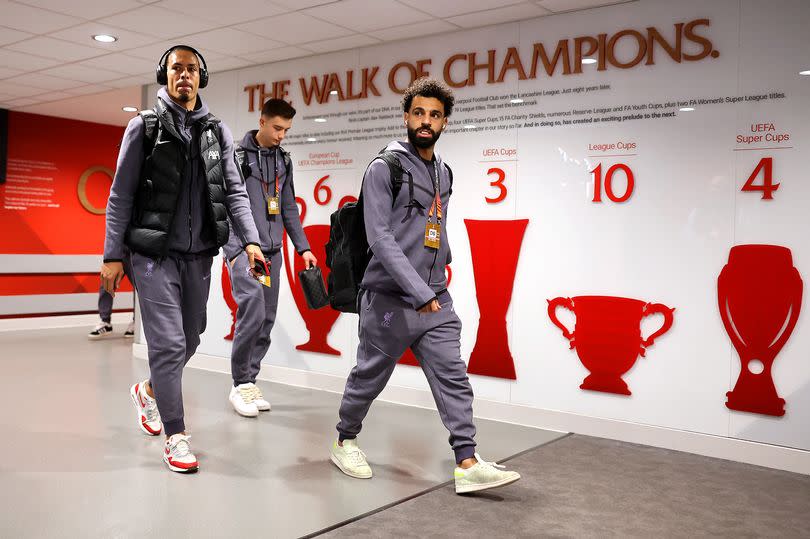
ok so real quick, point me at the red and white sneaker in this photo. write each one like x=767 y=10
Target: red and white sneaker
x=178 y=456
x=146 y=406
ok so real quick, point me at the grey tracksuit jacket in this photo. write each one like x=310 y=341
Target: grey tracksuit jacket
x=401 y=265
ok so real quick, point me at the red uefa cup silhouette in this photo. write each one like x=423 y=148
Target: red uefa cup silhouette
x=759 y=293
x=319 y=322
x=495 y=248
x=607 y=336
x=227 y=295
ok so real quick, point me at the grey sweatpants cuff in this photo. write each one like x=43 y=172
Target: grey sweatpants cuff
x=464 y=452
x=174 y=427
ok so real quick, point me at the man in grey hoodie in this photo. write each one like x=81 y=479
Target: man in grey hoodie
x=404 y=299
x=269 y=183
x=176 y=187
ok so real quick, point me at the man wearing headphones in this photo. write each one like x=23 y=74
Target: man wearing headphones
x=176 y=187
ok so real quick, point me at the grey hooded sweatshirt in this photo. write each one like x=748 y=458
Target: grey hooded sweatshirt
x=401 y=265
x=186 y=235
x=270 y=227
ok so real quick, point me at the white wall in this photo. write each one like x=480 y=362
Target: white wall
x=668 y=243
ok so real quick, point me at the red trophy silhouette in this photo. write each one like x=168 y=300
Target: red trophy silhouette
x=319 y=322
x=227 y=295
x=495 y=248
x=607 y=336
x=760 y=295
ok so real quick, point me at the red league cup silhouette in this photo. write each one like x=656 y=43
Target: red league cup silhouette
x=759 y=293
x=495 y=248
x=319 y=323
x=607 y=336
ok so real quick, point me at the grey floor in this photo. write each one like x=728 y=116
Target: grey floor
x=579 y=487
x=74 y=464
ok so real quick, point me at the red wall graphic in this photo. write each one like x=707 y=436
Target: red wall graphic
x=759 y=294
x=54 y=197
x=607 y=336
x=319 y=322
x=42 y=202
x=495 y=248
x=227 y=295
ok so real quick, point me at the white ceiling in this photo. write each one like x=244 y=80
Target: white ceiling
x=49 y=63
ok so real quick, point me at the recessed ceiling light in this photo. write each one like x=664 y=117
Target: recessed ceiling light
x=129 y=108
x=333 y=92
x=105 y=38
x=320 y=120
x=805 y=72
x=469 y=127
x=516 y=101
x=686 y=109
x=312 y=139
x=588 y=61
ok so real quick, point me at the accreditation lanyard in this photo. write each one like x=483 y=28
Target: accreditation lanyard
x=433 y=230
x=273 y=207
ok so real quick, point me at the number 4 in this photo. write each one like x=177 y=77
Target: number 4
x=768 y=187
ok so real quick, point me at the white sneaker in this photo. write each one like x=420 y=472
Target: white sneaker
x=146 y=406
x=242 y=397
x=350 y=459
x=483 y=475
x=258 y=399
x=178 y=456
x=130 y=332
x=101 y=331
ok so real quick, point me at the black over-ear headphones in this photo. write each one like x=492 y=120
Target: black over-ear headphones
x=160 y=70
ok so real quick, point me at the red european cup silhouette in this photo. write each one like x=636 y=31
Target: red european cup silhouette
x=319 y=322
x=495 y=248
x=227 y=295
x=607 y=336
x=759 y=293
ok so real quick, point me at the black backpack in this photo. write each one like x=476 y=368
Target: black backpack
x=347 y=252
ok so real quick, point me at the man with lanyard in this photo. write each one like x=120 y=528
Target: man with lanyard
x=269 y=183
x=404 y=299
x=175 y=190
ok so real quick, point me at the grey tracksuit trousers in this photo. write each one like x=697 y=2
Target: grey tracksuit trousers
x=172 y=294
x=256 y=314
x=388 y=326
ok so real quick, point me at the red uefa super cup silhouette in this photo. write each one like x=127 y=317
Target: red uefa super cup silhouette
x=227 y=295
x=495 y=248
x=760 y=295
x=607 y=336
x=319 y=322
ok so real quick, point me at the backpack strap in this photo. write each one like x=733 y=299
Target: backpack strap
x=450 y=173
x=240 y=157
x=397 y=171
x=150 y=128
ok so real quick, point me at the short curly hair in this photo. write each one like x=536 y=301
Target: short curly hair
x=427 y=87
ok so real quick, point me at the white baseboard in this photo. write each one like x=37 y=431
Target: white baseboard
x=67 y=321
x=759 y=454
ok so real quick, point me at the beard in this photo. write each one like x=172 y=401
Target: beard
x=422 y=142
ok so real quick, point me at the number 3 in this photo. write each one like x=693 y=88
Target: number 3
x=497 y=183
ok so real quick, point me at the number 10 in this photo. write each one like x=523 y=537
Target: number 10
x=597 y=183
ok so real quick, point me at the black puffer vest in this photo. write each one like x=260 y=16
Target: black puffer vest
x=162 y=179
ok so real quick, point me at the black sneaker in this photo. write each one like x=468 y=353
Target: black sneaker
x=101 y=331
